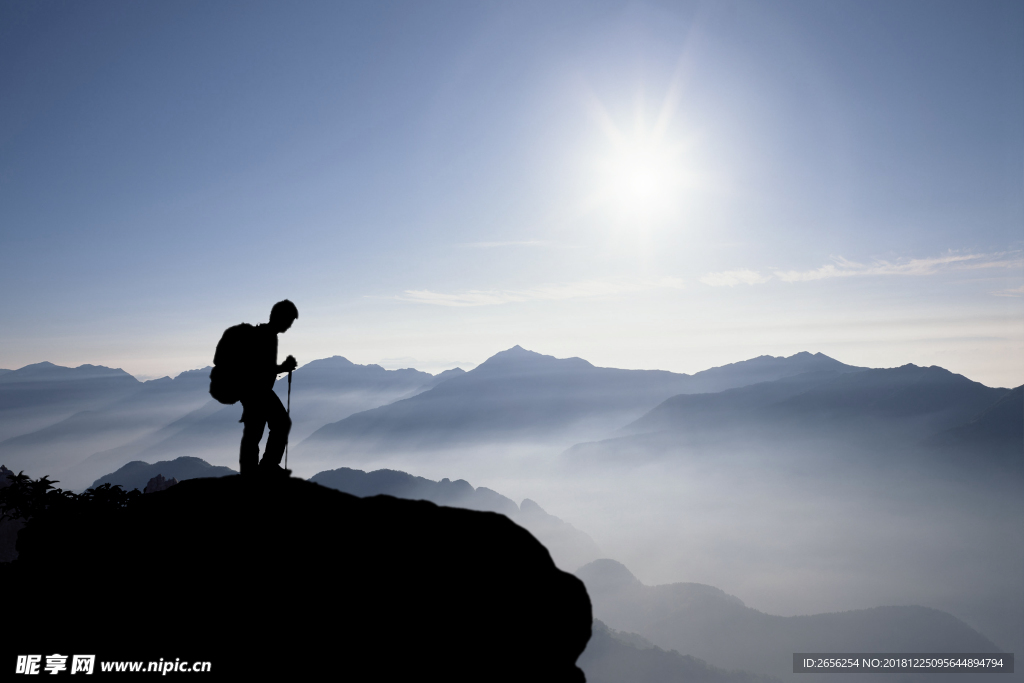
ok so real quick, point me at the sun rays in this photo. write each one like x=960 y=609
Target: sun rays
x=643 y=171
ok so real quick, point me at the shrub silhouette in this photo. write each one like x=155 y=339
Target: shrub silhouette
x=39 y=503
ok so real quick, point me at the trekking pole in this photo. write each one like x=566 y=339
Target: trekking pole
x=289 y=416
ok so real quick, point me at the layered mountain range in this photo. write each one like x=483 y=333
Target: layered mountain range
x=78 y=424
x=872 y=412
x=518 y=396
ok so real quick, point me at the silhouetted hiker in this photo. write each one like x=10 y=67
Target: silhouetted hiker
x=245 y=369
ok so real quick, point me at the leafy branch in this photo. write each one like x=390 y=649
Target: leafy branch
x=25 y=498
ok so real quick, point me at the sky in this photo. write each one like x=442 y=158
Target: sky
x=641 y=184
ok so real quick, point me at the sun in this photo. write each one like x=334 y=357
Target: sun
x=638 y=178
x=642 y=174
x=639 y=175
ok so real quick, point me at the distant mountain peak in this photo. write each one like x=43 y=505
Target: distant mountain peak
x=607 y=574
x=518 y=350
x=799 y=355
x=47 y=371
x=515 y=354
x=519 y=358
x=807 y=355
x=340 y=361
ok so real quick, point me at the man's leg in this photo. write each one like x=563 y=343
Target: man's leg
x=253 y=419
x=280 y=424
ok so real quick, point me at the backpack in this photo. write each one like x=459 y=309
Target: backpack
x=230 y=363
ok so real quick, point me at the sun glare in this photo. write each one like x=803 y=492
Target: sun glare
x=639 y=179
x=640 y=174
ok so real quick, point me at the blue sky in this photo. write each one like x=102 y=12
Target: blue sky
x=645 y=185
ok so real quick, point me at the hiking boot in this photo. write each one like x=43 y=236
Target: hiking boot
x=274 y=471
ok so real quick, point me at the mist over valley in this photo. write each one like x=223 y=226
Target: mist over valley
x=802 y=485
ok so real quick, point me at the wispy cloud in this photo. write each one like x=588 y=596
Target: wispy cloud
x=496 y=245
x=842 y=267
x=925 y=266
x=1016 y=291
x=552 y=292
x=731 y=278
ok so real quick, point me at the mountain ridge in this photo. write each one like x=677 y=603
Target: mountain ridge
x=136 y=474
x=80 y=429
x=104 y=428
x=522 y=395
x=616 y=656
x=878 y=409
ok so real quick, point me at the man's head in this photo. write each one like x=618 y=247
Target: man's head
x=282 y=315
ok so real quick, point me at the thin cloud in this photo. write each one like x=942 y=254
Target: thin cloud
x=731 y=278
x=845 y=268
x=553 y=292
x=1015 y=292
x=926 y=266
x=496 y=245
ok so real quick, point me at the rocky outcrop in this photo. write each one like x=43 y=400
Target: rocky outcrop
x=136 y=474
x=158 y=483
x=291 y=579
x=570 y=548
